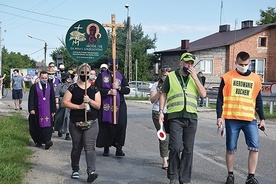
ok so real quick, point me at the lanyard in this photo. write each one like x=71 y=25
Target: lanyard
x=184 y=86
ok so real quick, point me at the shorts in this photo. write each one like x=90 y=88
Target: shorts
x=17 y=94
x=251 y=134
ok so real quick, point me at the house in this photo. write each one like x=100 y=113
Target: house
x=215 y=54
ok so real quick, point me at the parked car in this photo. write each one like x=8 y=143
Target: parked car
x=133 y=93
x=140 y=84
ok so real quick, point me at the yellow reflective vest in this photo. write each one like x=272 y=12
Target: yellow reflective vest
x=239 y=95
x=176 y=96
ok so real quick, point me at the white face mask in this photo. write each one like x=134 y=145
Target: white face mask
x=242 y=69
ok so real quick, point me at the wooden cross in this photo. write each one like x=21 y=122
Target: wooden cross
x=113 y=27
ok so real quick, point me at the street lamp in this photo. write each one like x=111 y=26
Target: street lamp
x=45 y=46
x=127 y=7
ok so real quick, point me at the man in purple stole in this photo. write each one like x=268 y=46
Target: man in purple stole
x=111 y=134
x=41 y=106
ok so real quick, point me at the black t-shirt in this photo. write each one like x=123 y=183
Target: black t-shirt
x=77 y=98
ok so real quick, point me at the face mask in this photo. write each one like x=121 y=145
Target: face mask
x=242 y=69
x=16 y=74
x=51 y=77
x=110 y=68
x=43 y=81
x=163 y=78
x=185 y=70
x=82 y=78
x=91 y=77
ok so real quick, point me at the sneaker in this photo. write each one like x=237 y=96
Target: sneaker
x=230 y=179
x=59 y=134
x=91 y=177
x=75 y=175
x=251 y=180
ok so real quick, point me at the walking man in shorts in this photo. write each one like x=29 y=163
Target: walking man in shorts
x=17 y=82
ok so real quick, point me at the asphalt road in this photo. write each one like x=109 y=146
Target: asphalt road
x=142 y=163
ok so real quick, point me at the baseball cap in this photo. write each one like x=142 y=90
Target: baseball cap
x=103 y=66
x=111 y=61
x=187 y=57
x=61 y=66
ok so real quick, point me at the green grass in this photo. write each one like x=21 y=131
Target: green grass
x=14 y=153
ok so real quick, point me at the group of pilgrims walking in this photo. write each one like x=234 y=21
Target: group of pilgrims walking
x=79 y=104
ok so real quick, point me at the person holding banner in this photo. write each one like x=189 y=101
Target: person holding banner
x=112 y=133
x=84 y=100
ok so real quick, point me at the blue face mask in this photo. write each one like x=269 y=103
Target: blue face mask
x=91 y=77
x=43 y=81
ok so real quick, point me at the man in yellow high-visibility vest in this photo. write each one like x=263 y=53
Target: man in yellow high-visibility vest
x=181 y=89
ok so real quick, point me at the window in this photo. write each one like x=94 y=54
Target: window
x=206 y=66
x=258 y=66
x=262 y=42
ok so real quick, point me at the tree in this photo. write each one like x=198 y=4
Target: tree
x=14 y=60
x=267 y=17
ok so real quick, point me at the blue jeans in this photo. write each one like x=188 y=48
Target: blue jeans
x=84 y=139
x=250 y=130
x=181 y=146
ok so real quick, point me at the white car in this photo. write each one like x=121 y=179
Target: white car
x=133 y=93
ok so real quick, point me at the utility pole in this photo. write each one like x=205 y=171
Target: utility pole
x=45 y=47
x=127 y=41
x=129 y=50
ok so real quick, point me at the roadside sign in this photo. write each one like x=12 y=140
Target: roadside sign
x=86 y=40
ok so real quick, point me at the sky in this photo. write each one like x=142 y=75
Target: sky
x=171 y=20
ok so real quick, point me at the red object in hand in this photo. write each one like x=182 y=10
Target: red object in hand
x=160 y=133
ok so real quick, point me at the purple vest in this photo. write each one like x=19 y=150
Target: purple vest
x=44 y=112
x=107 y=105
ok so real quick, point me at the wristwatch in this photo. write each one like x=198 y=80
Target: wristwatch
x=161 y=111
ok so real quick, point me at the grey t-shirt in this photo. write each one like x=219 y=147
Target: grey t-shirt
x=17 y=82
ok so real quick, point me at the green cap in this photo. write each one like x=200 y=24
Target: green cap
x=187 y=57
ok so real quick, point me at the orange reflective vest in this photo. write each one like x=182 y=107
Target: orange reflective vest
x=239 y=95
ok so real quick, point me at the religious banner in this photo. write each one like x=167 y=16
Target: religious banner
x=86 y=40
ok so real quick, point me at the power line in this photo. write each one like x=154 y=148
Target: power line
x=33 y=19
x=29 y=11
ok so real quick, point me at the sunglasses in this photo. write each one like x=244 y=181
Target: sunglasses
x=82 y=72
x=188 y=56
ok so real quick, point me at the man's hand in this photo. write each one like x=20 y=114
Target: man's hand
x=219 y=122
